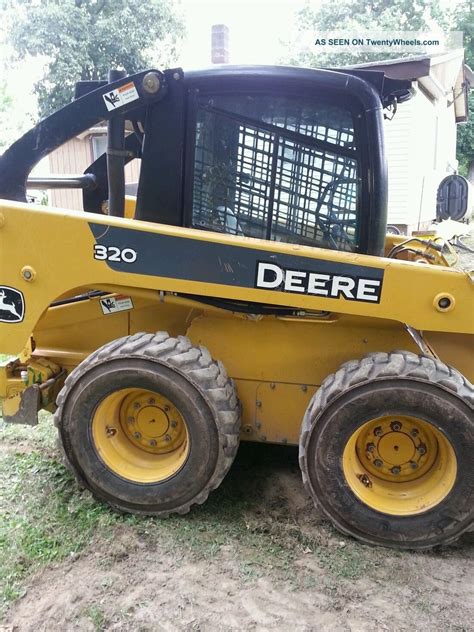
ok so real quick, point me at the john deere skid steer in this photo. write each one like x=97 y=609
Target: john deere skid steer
x=247 y=292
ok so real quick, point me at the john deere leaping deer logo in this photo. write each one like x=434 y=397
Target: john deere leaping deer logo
x=12 y=305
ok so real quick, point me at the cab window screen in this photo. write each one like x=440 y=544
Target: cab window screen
x=276 y=168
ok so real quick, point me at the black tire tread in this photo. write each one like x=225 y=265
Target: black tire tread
x=377 y=366
x=196 y=365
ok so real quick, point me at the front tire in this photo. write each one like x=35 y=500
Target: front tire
x=149 y=423
x=387 y=450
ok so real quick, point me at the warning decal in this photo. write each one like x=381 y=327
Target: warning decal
x=114 y=304
x=123 y=95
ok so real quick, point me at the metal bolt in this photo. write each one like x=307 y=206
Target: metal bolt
x=370 y=447
x=444 y=302
x=396 y=426
x=167 y=438
x=173 y=423
x=395 y=470
x=365 y=480
x=152 y=442
x=258 y=404
x=304 y=388
x=137 y=435
x=421 y=448
x=131 y=420
x=378 y=431
x=272 y=385
x=247 y=429
x=27 y=275
x=151 y=83
x=263 y=438
x=414 y=432
x=176 y=76
x=166 y=409
x=111 y=432
x=136 y=405
x=258 y=425
x=413 y=465
x=151 y=401
x=378 y=463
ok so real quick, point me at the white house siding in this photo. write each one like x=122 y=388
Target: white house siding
x=397 y=147
x=421 y=151
x=73 y=158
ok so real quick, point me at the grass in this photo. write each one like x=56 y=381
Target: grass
x=45 y=518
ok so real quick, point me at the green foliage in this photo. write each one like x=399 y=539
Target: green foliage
x=5 y=98
x=362 y=17
x=83 y=39
x=465 y=144
x=464 y=21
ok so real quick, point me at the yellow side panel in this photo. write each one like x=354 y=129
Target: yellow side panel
x=46 y=254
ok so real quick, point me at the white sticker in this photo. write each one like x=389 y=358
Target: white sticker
x=123 y=95
x=114 y=304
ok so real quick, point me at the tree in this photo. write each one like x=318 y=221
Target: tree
x=464 y=21
x=82 y=39
x=360 y=17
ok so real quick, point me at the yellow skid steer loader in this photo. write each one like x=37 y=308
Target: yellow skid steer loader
x=248 y=291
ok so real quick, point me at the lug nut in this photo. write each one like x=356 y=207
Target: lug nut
x=131 y=420
x=136 y=405
x=396 y=426
x=414 y=432
x=378 y=463
x=378 y=431
x=167 y=438
x=151 y=401
x=152 y=442
x=111 y=432
x=166 y=408
x=395 y=470
x=413 y=465
x=370 y=447
x=173 y=423
x=137 y=435
x=421 y=448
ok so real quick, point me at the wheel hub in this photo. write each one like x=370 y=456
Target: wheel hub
x=399 y=465
x=140 y=435
x=396 y=448
x=152 y=423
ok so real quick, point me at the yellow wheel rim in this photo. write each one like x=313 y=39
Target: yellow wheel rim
x=140 y=435
x=399 y=465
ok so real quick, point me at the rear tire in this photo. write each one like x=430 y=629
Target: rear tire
x=387 y=450
x=149 y=424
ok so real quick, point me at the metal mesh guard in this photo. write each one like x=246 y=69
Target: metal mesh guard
x=283 y=178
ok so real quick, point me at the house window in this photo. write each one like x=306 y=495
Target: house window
x=276 y=167
x=99 y=145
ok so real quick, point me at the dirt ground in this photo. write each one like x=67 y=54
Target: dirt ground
x=256 y=556
x=131 y=578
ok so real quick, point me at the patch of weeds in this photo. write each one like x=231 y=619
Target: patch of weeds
x=44 y=517
x=28 y=438
x=96 y=616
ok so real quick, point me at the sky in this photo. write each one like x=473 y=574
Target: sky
x=258 y=32
x=257 y=29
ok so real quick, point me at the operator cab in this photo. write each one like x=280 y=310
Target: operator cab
x=276 y=153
